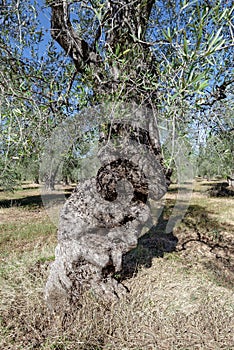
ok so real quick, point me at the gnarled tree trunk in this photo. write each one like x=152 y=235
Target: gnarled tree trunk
x=104 y=216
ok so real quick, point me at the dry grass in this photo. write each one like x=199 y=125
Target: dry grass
x=181 y=299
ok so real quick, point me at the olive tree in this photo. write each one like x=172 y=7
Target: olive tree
x=162 y=56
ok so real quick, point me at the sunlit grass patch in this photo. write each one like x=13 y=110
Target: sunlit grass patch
x=22 y=237
x=178 y=299
x=170 y=306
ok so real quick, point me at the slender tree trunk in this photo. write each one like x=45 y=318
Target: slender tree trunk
x=50 y=179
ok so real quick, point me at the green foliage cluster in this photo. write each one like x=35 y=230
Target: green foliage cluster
x=190 y=79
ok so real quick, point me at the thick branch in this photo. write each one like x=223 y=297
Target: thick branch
x=124 y=26
x=63 y=32
x=127 y=21
x=219 y=94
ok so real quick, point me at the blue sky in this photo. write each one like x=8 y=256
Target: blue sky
x=44 y=15
x=44 y=18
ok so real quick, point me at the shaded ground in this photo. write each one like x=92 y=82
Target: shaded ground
x=200 y=236
x=221 y=189
x=32 y=201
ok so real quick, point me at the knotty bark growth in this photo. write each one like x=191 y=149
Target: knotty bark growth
x=104 y=217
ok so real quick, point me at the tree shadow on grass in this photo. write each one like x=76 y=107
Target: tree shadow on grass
x=31 y=201
x=221 y=189
x=35 y=201
x=176 y=189
x=199 y=236
x=153 y=244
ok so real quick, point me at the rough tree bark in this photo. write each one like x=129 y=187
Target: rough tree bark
x=104 y=216
x=124 y=25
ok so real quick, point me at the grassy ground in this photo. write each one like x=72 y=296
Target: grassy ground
x=181 y=284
